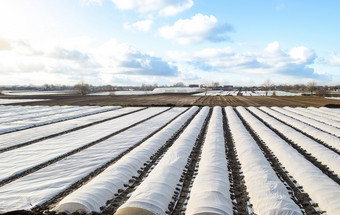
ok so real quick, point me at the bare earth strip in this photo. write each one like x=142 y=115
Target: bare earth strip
x=182 y=100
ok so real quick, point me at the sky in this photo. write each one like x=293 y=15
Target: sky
x=134 y=42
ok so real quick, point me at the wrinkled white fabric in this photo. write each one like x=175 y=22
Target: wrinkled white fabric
x=309 y=121
x=327 y=113
x=321 y=153
x=210 y=191
x=31 y=134
x=266 y=191
x=319 y=187
x=315 y=116
x=155 y=192
x=40 y=186
x=53 y=116
x=21 y=159
x=102 y=188
x=325 y=137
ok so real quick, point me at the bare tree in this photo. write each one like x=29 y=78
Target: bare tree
x=82 y=88
x=205 y=86
x=179 y=84
x=311 y=86
x=267 y=85
x=215 y=84
x=322 y=91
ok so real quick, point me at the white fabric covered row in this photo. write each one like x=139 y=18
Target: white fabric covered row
x=320 y=188
x=44 y=112
x=102 y=188
x=21 y=159
x=321 y=153
x=328 y=139
x=155 y=192
x=210 y=191
x=305 y=112
x=332 y=110
x=12 y=101
x=329 y=114
x=309 y=121
x=12 y=111
x=31 y=134
x=31 y=122
x=266 y=191
x=42 y=185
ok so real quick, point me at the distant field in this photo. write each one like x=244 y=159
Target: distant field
x=178 y=100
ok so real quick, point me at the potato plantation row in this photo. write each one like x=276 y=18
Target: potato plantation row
x=162 y=160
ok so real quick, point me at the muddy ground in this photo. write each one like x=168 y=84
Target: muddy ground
x=181 y=100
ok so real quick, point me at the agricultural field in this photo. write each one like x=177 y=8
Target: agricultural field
x=169 y=160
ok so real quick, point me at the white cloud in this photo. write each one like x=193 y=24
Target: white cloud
x=163 y=7
x=334 y=59
x=302 y=54
x=143 y=26
x=197 y=29
x=123 y=59
x=295 y=62
x=56 y=64
x=88 y=2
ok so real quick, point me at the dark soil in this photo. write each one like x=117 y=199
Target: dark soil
x=238 y=189
x=181 y=100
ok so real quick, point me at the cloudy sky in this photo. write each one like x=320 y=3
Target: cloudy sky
x=130 y=42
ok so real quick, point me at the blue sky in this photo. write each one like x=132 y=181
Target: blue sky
x=134 y=42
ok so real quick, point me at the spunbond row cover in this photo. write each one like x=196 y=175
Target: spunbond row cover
x=266 y=191
x=155 y=193
x=210 y=191
x=323 y=154
x=322 y=190
x=102 y=188
x=315 y=132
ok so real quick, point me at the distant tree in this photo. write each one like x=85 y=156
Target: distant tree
x=322 y=90
x=205 y=86
x=311 y=86
x=179 y=84
x=1 y=91
x=146 y=87
x=267 y=85
x=215 y=84
x=82 y=88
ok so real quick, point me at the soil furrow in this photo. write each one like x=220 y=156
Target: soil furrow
x=45 y=164
x=65 y=132
x=182 y=193
x=297 y=194
x=238 y=190
x=304 y=153
x=123 y=195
